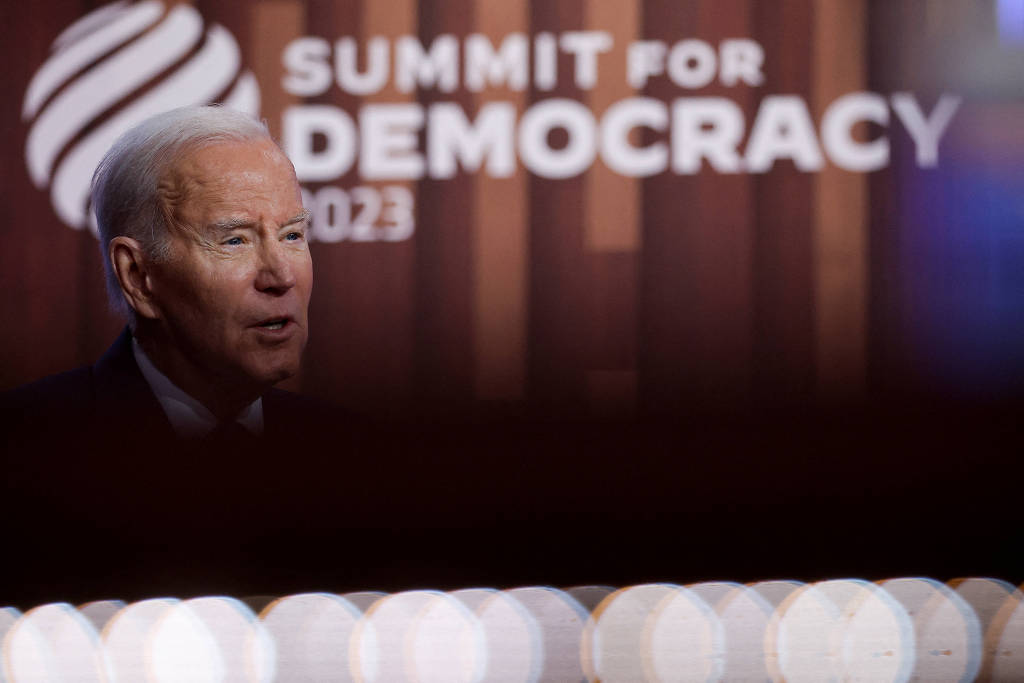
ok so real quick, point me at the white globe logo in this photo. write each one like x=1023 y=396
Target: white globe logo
x=99 y=81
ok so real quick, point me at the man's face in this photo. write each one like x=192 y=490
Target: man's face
x=233 y=293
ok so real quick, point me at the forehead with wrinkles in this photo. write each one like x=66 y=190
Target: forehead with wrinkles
x=215 y=172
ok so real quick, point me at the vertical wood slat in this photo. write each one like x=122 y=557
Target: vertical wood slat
x=667 y=290
x=274 y=23
x=840 y=210
x=722 y=240
x=444 y=253
x=558 y=325
x=783 y=256
x=697 y=293
x=612 y=223
x=611 y=211
x=886 y=67
x=500 y=241
x=384 y=274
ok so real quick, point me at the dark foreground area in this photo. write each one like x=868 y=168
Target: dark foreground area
x=504 y=502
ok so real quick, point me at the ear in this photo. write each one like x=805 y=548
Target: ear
x=133 y=273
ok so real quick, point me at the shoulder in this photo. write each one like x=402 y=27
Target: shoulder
x=73 y=390
x=74 y=407
x=77 y=380
x=42 y=423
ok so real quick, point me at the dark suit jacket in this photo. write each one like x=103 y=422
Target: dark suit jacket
x=97 y=485
x=103 y=501
x=109 y=401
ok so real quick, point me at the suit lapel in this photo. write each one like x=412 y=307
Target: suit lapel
x=123 y=396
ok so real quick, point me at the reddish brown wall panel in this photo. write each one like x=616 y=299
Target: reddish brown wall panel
x=598 y=293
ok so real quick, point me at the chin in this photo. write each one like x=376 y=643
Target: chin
x=270 y=373
x=281 y=374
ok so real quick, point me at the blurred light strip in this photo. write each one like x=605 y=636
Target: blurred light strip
x=850 y=629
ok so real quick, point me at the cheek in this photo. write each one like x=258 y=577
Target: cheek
x=209 y=303
x=217 y=302
x=182 y=299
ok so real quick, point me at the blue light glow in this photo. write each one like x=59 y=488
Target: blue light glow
x=1010 y=15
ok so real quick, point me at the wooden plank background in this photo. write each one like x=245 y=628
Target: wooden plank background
x=596 y=295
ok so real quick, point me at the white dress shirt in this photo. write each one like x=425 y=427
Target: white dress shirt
x=190 y=418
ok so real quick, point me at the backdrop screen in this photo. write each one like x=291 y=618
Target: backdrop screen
x=721 y=266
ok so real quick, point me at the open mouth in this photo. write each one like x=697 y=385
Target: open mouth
x=274 y=324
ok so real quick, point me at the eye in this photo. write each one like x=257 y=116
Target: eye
x=233 y=241
x=294 y=236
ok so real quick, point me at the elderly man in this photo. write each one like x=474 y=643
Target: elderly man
x=173 y=455
x=203 y=237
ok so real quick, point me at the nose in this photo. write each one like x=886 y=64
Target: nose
x=275 y=271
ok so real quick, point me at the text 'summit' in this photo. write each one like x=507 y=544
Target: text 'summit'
x=530 y=94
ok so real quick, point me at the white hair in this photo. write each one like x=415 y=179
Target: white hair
x=126 y=193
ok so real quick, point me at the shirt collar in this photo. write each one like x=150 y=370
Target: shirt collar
x=189 y=417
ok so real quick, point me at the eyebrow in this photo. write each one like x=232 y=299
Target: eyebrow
x=229 y=224
x=302 y=217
